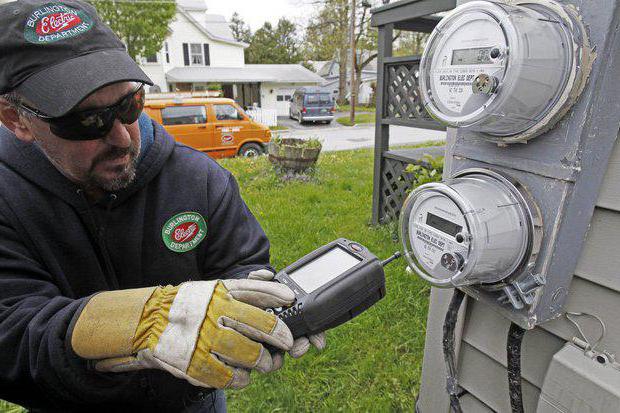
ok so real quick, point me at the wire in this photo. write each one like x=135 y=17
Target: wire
x=513 y=349
x=592 y=346
x=449 y=325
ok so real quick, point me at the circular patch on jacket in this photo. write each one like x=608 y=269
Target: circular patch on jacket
x=183 y=232
x=55 y=21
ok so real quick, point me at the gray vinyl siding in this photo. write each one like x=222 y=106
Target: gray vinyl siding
x=482 y=354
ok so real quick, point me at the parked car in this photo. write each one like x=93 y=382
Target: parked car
x=216 y=126
x=312 y=104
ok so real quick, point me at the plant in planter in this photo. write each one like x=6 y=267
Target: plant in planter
x=294 y=154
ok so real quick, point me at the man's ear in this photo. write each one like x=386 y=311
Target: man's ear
x=15 y=123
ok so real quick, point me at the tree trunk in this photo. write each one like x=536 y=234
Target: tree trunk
x=342 y=72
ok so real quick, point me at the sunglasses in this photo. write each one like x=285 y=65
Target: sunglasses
x=94 y=124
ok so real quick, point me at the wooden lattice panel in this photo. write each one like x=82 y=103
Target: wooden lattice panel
x=395 y=184
x=403 y=92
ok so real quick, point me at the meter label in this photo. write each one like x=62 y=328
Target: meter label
x=431 y=239
x=454 y=85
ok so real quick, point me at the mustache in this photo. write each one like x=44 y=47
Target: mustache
x=116 y=152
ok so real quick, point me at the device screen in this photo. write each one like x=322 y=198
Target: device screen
x=443 y=225
x=479 y=56
x=322 y=270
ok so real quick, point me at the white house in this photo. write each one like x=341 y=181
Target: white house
x=330 y=72
x=200 y=50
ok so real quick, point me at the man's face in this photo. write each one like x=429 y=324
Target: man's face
x=108 y=163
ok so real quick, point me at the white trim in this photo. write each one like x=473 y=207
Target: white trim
x=189 y=309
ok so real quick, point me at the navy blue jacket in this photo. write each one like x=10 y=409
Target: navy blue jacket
x=57 y=250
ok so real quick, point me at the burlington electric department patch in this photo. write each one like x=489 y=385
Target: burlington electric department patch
x=55 y=21
x=183 y=232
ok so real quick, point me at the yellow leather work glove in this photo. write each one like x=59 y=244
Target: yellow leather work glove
x=301 y=345
x=206 y=332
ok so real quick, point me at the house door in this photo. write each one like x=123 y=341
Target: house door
x=227 y=90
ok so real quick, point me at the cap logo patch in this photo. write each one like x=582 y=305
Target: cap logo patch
x=54 y=22
x=183 y=232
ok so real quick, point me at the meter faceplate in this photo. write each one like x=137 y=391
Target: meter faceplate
x=476 y=228
x=508 y=72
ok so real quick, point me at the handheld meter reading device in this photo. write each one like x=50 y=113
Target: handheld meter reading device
x=332 y=285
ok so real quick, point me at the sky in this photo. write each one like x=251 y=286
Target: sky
x=256 y=12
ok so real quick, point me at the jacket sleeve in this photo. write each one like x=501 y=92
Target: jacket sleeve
x=38 y=369
x=236 y=243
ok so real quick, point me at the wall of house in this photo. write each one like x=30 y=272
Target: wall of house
x=156 y=72
x=226 y=55
x=595 y=290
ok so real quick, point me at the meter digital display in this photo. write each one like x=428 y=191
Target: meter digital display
x=506 y=71
x=478 y=56
x=476 y=228
x=444 y=225
x=324 y=269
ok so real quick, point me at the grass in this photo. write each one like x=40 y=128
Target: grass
x=278 y=127
x=363 y=108
x=359 y=118
x=6 y=407
x=373 y=363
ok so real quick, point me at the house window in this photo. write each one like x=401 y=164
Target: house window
x=196 y=56
x=152 y=58
x=287 y=98
x=227 y=112
x=167 y=52
x=184 y=115
x=280 y=98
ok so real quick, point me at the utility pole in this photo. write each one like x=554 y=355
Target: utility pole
x=353 y=63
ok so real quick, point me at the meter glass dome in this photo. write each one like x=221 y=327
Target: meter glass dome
x=505 y=71
x=477 y=228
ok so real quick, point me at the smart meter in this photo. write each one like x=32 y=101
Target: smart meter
x=479 y=227
x=507 y=71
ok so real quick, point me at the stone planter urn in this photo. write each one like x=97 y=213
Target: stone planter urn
x=294 y=154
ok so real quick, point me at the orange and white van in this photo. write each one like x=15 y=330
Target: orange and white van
x=217 y=126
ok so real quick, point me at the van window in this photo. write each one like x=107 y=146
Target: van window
x=184 y=115
x=227 y=112
x=318 y=98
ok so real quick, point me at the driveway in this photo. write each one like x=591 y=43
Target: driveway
x=337 y=138
x=292 y=124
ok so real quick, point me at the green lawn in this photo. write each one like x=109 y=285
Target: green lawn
x=347 y=108
x=277 y=128
x=359 y=118
x=372 y=363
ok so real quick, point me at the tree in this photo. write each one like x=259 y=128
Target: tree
x=327 y=37
x=411 y=44
x=240 y=30
x=142 y=26
x=279 y=45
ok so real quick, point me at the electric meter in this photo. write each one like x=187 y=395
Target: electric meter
x=507 y=71
x=479 y=227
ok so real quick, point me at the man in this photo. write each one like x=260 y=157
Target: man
x=124 y=256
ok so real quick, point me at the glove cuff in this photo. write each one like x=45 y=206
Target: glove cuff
x=106 y=326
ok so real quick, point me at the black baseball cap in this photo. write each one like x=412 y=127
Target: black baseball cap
x=56 y=53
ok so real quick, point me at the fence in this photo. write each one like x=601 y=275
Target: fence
x=268 y=117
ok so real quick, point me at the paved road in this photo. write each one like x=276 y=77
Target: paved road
x=337 y=138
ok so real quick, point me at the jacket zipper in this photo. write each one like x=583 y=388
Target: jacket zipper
x=99 y=234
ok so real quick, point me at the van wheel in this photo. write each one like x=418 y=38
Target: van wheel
x=250 y=150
